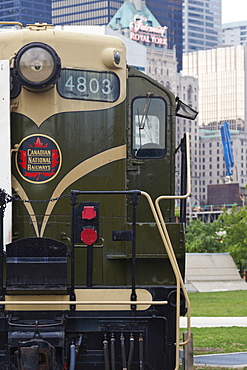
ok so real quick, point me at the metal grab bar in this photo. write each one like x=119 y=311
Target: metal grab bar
x=157 y=214
x=157 y=201
x=84 y=303
x=172 y=258
x=188 y=176
x=12 y=24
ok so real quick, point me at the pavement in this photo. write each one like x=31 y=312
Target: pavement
x=203 y=322
x=229 y=360
x=236 y=360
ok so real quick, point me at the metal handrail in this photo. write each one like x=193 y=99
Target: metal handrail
x=84 y=303
x=172 y=257
x=12 y=24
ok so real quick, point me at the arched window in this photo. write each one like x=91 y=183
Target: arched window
x=189 y=92
x=168 y=85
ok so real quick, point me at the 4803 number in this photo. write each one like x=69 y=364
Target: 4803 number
x=89 y=85
x=93 y=85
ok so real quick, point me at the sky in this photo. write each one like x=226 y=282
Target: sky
x=234 y=10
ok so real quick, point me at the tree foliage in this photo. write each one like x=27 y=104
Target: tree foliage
x=234 y=234
x=227 y=234
x=203 y=237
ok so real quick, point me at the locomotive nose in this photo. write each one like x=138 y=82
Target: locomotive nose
x=37 y=66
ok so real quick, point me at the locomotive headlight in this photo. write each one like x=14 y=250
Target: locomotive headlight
x=37 y=66
x=112 y=58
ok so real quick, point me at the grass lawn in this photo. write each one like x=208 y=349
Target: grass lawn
x=230 y=303
x=219 y=339
x=216 y=368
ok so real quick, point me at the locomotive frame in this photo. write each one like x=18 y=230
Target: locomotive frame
x=71 y=298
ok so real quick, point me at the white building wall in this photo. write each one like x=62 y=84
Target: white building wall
x=162 y=67
x=234 y=33
x=188 y=92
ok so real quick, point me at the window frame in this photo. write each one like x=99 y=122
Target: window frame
x=164 y=123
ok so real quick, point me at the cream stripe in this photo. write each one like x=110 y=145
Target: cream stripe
x=82 y=169
x=22 y=194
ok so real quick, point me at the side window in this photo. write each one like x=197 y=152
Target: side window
x=149 y=127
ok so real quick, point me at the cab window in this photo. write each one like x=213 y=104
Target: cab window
x=149 y=127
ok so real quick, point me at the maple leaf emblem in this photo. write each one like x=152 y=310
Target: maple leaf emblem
x=23 y=159
x=38 y=144
x=55 y=158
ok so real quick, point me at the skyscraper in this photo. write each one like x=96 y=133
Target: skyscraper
x=222 y=79
x=169 y=14
x=78 y=12
x=25 y=12
x=201 y=24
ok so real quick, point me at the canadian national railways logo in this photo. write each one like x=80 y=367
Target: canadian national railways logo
x=38 y=158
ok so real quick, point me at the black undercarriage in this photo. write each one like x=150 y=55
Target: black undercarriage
x=75 y=339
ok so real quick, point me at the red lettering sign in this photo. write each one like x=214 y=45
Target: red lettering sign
x=145 y=33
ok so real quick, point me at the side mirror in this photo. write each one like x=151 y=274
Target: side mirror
x=184 y=110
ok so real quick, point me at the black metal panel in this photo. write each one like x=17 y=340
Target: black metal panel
x=126 y=235
x=36 y=264
x=36 y=247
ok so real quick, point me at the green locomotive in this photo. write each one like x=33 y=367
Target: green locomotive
x=91 y=271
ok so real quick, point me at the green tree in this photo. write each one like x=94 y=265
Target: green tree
x=233 y=227
x=203 y=237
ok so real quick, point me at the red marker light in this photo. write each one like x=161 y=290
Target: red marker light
x=88 y=213
x=89 y=236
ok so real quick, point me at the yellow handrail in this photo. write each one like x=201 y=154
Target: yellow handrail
x=174 y=267
x=171 y=255
x=83 y=303
x=12 y=24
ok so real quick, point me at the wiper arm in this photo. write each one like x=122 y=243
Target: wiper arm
x=145 y=110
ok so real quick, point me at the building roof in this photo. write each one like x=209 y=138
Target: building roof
x=205 y=134
x=234 y=24
x=126 y=13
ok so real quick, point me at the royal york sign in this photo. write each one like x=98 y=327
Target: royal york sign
x=140 y=31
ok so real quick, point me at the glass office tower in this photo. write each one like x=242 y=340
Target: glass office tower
x=25 y=12
x=79 y=12
x=202 y=24
x=169 y=13
x=222 y=78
